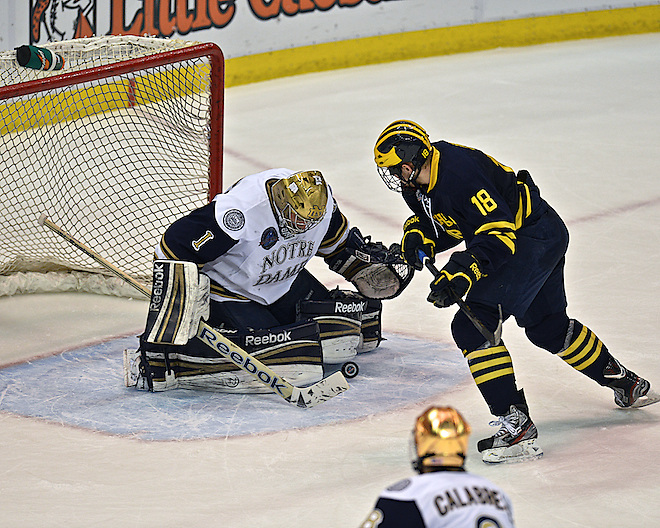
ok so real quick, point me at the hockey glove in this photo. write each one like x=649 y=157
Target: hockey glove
x=455 y=279
x=417 y=235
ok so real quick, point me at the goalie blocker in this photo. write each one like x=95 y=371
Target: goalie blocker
x=179 y=300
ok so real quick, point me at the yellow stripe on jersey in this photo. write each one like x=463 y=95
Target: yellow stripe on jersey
x=218 y=290
x=501 y=225
x=500 y=165
x=504 y=231
x=524 y=205
x=169 y=254
x=435 y=162
x=332 y=239
x=508 y=239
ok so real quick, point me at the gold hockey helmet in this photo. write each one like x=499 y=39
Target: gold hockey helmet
x=299 y=201
x=401 y=142
x=440 y=439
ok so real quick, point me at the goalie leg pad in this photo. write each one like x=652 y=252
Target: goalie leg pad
x=340 y=322
x=370 y=331
x=179 y=299
x=291 y=351
x=370 y=322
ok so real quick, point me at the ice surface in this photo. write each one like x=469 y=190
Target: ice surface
x=583 y=117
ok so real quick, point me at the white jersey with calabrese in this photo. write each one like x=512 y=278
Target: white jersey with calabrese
x=447 y=499
x=260 y=263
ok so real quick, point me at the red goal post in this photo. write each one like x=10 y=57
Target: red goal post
x=123 y=140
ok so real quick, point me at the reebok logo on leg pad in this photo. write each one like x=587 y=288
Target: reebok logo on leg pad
x=268 y=339
x=349 y=307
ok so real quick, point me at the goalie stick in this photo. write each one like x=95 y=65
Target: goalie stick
x=304 y=397
x=493 y=338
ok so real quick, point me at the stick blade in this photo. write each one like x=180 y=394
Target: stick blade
x=320 y=391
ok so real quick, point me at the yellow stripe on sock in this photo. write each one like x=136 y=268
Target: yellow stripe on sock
x=493 y=375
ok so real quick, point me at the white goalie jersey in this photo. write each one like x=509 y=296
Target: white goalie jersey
x=241 y=247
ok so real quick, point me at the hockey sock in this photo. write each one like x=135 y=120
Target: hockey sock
x=585 y=352
x=492 y=370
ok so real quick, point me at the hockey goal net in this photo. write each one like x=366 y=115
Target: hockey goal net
x=113 y=147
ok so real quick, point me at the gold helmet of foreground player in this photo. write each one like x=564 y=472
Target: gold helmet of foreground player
x=401 y=142
x=440 y=439
x=299 y=201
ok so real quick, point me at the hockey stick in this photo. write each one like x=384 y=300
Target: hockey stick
x=44 y=221
x=301 y=396
x=493 y=338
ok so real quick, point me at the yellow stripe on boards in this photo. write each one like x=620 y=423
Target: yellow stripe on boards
x=44 y=108
x=441 y=41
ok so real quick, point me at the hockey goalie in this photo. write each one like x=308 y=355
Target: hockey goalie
x=238 y=263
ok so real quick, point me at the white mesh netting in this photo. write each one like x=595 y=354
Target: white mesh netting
x=112 y=159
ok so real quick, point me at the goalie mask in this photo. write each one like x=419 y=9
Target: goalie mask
x=440 y=439
x=299 y=201
x=401 y=142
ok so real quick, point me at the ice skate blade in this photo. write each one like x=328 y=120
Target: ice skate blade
x=649 y=398
x=520 y=452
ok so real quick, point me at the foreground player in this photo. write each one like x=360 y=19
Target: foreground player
x=443 y=494
x=514 y=257
x=251 y=245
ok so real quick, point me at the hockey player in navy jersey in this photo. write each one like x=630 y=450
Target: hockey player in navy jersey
x=245 y=255
x=443 y=494
x=515 y=245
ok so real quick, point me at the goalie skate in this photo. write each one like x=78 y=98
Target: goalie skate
x=134 y=374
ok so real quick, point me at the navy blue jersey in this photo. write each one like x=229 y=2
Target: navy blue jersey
x=473 y=198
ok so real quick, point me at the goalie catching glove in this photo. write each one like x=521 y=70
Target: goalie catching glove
x=455 y=280
x=376 y=271
x=179 y=300
x=417 y=236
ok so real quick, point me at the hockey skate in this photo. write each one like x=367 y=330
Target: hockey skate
x=630 y=390
x=133 y=371
x=515 y=441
